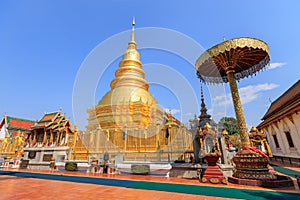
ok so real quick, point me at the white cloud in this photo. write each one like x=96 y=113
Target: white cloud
x=173 y=111
x=210 y=110
x=222 y=100
x=276 y=65
x=247 y=94
x=188 y=114
x=251 y=92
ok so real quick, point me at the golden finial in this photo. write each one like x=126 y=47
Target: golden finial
x=207 y=126
x=224 y=132
x=132 y=40
x=253 y=129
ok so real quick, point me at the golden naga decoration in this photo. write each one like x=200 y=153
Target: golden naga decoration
x=230 y=61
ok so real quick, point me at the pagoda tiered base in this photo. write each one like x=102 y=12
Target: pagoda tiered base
x=253 y=169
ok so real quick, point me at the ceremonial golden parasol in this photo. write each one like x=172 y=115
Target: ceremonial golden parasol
x=230 y=61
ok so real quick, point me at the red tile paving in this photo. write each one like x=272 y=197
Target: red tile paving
x=29 y=188
x=16 y=188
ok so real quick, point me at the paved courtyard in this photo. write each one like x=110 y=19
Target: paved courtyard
x=26 y=184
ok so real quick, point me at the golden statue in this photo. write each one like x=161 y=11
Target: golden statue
x=5 y=143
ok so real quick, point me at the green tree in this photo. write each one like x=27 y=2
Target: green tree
x=229 y=124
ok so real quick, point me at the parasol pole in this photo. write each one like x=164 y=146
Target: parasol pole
x=243 y=132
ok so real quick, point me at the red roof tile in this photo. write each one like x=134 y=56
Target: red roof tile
x=18 y=123
x=21 y=124
x=47 y=117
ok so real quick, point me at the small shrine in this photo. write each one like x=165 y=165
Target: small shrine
x=209 y=147
x=258 y=139
x=211 y=154
x=12 y=138
x=52 y=137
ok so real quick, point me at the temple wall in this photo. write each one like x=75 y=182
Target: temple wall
x=2 y=132
x=288 y=124
x=139 y=143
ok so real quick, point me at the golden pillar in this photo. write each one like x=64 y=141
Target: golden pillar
x=114 y=136
x=74 y=142
x=146 y=138
x=243 y=132
x=157 y=141
x=34 y=137
x=125 y=137
x=107 y=135
x=57 y=139
x=140 y=139
x=98 y=139
x=136 y=136
x=51 y=137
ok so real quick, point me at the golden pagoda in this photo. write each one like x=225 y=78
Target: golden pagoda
x=128 y=103
x=128 y=118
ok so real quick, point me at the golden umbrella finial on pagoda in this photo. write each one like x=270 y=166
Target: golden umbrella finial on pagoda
x=132 y=39
x=230 y=61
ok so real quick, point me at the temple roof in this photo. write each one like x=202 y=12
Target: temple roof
x=286 y=104
x=14 y=124
x=49 y=117
x=54 y=120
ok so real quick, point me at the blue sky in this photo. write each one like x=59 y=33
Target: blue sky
x=43 y=45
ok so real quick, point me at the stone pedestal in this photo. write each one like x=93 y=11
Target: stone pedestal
x=39 y=157
x=213 y=173
x=140 y=169
x=185 y=170
x=226 y=169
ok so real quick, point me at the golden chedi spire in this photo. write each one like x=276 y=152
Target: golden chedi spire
x=128 y=103
x=130 y=72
